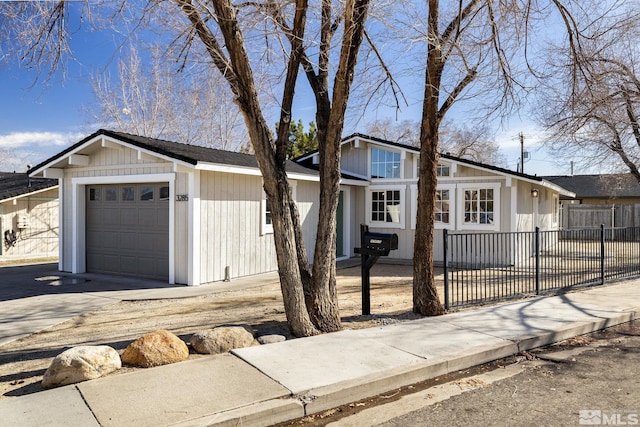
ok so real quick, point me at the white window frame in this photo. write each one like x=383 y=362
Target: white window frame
x=496 y=206
x=555 y=210
x=441 y=165
x=383 y=224
x=400 y=165
x=268 y=228
x=265 y=228
x=451 y=225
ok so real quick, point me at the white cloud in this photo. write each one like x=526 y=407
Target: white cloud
x=30 y=140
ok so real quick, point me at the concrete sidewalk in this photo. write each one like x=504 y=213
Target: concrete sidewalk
x=277 y=382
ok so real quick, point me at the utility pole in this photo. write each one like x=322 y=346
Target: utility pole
x=521 y=152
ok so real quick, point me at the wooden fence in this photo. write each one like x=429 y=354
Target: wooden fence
x=574 y=217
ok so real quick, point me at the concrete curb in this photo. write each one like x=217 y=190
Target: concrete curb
x=341 y=393
x=265 y=413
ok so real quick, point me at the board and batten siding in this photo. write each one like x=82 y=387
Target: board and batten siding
x=40 y=238
x=354 y=160
x=307 y=195
x=230 y=226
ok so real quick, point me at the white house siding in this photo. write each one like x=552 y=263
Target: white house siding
x=104 y=162
x=355 y=160
x=357 y=217
x=308 y=199
x=230 y=227
x=181 y=224
x=40 y=238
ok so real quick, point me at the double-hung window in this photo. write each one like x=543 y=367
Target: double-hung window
x=385 y=164
x=386 y=206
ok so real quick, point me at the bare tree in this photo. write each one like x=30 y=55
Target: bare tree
x=591 y=106
x=472 y=143
x=404 y=132
x=237 y=40
x=150 y=98
x=477 y=47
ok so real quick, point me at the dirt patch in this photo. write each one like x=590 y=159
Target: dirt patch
x=23 y=362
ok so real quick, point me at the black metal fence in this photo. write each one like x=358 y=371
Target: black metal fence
x=486 y=267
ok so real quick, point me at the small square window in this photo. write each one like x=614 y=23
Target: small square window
x=128 y=194
x=443 y=170
x=94 y=194
x=111 y=194
x=267 y=214
x=164 y=192
x=146 y=194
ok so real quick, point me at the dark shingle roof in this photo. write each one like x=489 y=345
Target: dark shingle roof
x=14 y=184
x=599 y=186
x=191 y=154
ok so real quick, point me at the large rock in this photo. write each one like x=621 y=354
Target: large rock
x=81 y=363
x=156 y=349
x=221 y=339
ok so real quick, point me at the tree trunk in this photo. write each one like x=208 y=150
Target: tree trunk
x=324 y=309
x=237 y=70
x=425 y=293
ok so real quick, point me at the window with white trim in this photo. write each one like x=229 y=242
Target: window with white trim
x=266 y=217
x=556 y=211
x=386 y=207
x=443 y=170
x=385 y=164
x=445 y=206
x=442 y=213
x=480 y=206
x=266 y=226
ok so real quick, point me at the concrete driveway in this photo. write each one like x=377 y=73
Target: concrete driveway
x=35 y=297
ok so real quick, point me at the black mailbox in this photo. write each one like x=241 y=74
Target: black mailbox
x=379 y=244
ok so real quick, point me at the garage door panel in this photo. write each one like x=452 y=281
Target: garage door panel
x=110 y=263
x=127 y=235
x=128 y=217
x=109 y=217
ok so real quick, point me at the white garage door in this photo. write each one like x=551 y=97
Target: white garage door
x=128 y=229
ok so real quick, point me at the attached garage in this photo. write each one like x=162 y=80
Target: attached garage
x=127 y=229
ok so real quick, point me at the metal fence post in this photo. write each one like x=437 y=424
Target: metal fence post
x=602 y=253
x=537 y=253
x=445 y=236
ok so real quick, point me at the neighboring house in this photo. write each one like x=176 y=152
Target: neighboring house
x=28 y=217
x=621 y=188
x=612 y=200
x=187 y=214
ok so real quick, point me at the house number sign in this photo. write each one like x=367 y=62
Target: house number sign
x=182 y=197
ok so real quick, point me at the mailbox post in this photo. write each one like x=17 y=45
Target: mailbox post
x=374 y=245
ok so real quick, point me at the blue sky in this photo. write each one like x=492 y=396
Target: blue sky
x=40 y=117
